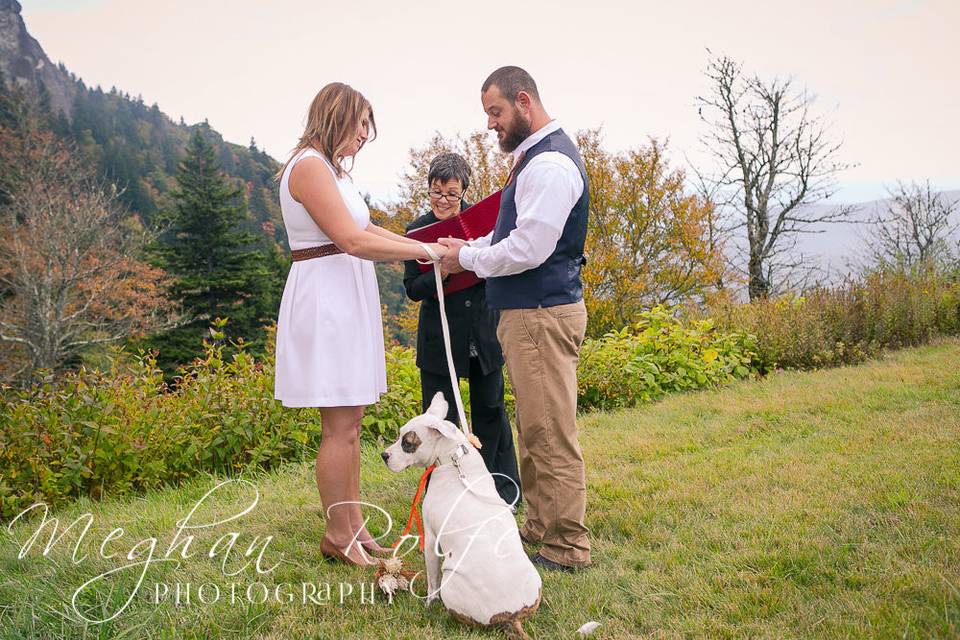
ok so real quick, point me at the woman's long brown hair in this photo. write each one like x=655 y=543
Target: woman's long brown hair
x=332 y=120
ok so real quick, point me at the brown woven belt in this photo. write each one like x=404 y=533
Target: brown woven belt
x=315 y=252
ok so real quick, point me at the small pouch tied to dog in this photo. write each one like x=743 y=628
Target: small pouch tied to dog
x=392 y=577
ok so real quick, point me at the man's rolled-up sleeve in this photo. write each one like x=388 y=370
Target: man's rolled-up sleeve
x=546 y=192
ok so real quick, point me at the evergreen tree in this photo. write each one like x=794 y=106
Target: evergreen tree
x=15 y=116
x=61 y=126
x=44 y=107
x=220 y=269
x=11 y=103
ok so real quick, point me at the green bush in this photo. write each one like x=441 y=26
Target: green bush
x=120 y=431
x=402 y=399
x=124 y=430
x=831 y=326
x=660 y=354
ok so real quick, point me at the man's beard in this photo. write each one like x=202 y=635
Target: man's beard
x=517 y=133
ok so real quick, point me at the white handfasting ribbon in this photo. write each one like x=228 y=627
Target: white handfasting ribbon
x=454 y=381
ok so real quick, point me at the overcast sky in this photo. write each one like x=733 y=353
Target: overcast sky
x=884 y=71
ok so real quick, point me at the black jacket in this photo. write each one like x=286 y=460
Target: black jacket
x=468 y=316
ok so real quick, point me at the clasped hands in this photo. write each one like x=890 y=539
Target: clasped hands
x=450 y=261
x=448 y=249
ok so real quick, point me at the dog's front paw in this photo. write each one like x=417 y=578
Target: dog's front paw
x=430 y=600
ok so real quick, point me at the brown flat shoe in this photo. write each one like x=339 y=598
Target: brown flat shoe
x=374 y=548
x=330 y=550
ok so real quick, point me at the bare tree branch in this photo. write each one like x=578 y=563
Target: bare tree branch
x=914 y=229
x=773 y=159
x=67 y=257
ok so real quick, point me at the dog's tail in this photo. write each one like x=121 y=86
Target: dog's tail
x=513 y=629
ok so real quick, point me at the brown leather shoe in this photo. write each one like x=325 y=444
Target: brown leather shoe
x=330 y=550
x=539 y=561
x=375 y=549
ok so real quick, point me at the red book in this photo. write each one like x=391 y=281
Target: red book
x=470 y=224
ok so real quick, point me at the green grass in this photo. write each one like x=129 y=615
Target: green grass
x=805 y=505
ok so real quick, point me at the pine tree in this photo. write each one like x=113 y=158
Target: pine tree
x=44 y=106
x=221 y=270
x=9 y=103
x=15 y=117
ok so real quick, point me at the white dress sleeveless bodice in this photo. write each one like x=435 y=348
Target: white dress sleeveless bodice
x=329 y=329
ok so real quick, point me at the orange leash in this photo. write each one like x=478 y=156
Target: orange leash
x=415 y=518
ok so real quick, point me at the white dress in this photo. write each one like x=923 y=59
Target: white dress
x=329 y=330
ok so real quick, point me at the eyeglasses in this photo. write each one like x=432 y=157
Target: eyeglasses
x=449 y=197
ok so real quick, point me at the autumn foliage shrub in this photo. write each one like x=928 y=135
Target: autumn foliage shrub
x=124 y=430
x=847 y=324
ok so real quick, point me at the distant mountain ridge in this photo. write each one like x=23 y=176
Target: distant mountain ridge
x=840 y=246
x=840 y=249
x=134 y=145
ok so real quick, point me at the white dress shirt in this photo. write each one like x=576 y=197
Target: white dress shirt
x=546 y=191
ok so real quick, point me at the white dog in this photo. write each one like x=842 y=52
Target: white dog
x=473 y=554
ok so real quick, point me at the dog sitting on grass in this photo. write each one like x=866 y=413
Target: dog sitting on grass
x=474 y=558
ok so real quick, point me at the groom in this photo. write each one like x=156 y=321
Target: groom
x=532 y=263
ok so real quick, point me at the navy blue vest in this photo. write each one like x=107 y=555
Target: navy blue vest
x=557 y=280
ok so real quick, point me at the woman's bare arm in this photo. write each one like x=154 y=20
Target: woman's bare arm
x=311 y=183
x=390 y=235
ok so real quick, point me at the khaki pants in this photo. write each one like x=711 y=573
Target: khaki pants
x=541 y=347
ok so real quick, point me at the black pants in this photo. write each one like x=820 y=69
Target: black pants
x=488 y=418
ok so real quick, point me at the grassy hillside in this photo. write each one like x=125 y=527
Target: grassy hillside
x=805 y=505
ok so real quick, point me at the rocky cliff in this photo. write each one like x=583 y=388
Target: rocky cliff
x=23 y=61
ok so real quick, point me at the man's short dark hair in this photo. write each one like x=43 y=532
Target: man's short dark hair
x=449 y=166
x=511 y=81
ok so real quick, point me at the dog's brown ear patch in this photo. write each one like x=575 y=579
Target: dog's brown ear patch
x=409 y=442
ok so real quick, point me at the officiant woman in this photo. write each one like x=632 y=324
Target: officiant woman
x=473 y=336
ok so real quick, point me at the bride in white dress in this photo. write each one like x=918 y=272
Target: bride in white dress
x=329 y=330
